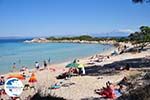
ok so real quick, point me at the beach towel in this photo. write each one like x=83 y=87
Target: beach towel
x=117 y=93
x=108 y=93
x=55 y=86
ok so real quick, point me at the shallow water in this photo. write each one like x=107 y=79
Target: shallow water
x=24 y=54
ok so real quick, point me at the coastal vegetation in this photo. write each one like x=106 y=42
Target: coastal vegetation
x=139 y=39
x=141 y=93
x=142 y=36
x=83 y=37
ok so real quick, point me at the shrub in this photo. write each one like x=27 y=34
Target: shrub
x=38 y=96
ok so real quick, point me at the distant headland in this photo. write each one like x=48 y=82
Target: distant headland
x=78 y=39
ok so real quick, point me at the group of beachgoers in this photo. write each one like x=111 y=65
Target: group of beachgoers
x=98 y=58
x=22 y=76
x=72 y=69
x=75 y=68
x=111 y=91
x=37 y=65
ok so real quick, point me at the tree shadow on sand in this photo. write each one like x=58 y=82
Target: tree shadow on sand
x=109 y=69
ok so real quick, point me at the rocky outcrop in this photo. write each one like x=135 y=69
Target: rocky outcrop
x=37 y=40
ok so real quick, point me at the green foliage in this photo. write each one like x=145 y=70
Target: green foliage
x=122 y=39
x=51 y=38
x=82 y=37
x=142 y=36
x=90 y=38
x=141 y=93
x=140 y=1
x=85 y=37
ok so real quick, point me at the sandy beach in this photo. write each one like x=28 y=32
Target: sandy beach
x=79 y=87
x=74 y=50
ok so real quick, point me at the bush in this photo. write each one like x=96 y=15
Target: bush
x=38 y=96
x=142 y=93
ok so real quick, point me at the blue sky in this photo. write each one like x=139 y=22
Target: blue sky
x=70 y=17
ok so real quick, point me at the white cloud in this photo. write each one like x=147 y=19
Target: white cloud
x=126 y=30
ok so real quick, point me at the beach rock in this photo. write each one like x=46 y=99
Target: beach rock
x=37 y=40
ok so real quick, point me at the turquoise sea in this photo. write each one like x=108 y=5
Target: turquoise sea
x=25 y=54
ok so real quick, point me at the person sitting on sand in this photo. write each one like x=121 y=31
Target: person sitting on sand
x=107 y=92
x=63 y=75
x=73 y=71
x=68 y=74
x=111 y=91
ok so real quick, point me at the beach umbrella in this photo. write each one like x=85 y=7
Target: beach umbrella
x=80 y=65
x=33 y=78
x=18 y=76
x=72 y=65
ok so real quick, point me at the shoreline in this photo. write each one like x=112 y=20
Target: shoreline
x=66 y=62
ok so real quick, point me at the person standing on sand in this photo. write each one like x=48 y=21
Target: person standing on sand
x=49 y=60
x=37 y=66
x=81 y=68
x=45 y=64
x=14 y=67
